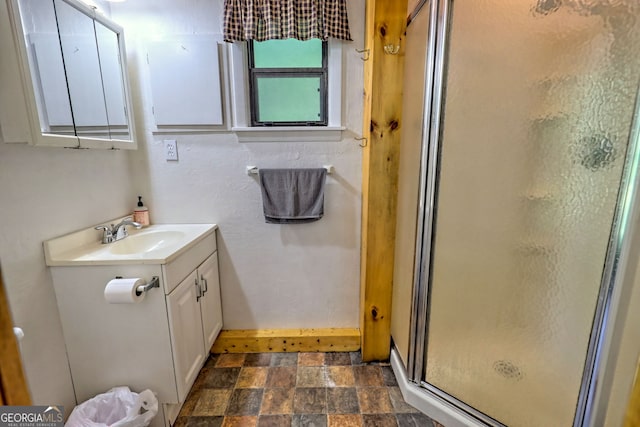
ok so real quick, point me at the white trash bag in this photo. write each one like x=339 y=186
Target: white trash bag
x=119 y=407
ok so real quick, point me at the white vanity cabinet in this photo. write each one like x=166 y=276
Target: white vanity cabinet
x=159 y=343
x=195 y=317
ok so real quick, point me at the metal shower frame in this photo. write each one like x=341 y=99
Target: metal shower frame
x=605 y=337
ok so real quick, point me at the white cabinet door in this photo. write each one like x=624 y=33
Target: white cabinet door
x=186 y=333
x=210 y=302
x=185 y=81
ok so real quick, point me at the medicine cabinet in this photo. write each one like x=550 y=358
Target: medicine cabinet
x=74 y=75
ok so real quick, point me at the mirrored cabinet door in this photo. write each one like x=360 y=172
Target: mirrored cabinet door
x=82 y=68
x=112 y=83
x=75 y=63
x=47 y=71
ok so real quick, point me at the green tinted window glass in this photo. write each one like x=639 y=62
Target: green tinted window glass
x=288 y=99
x=290 y=53
x=288 y=82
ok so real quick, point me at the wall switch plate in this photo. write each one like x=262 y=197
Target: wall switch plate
x=170 y=149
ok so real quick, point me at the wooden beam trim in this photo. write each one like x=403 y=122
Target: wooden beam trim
x=287 y=340
x=383 y=84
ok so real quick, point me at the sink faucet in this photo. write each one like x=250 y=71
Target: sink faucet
x=116 y=232
x=119 y=231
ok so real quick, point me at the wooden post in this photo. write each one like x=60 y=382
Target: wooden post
x=13 y=385
x=632 y=417
x=383 y=79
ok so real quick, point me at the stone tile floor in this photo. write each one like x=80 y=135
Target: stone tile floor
x=299 y=390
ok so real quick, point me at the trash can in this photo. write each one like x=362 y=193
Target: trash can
x=119 y=407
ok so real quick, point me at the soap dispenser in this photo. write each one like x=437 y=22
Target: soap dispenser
x=141 y=213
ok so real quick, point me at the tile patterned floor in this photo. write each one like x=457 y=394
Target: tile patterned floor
x=298 y=390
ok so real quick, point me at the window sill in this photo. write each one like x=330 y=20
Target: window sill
x=288 y=133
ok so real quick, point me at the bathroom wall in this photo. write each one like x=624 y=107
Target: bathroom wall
x=273 y=276
x=47 y=192
x=409 y=180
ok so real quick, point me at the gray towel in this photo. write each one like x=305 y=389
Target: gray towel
x=291 y=196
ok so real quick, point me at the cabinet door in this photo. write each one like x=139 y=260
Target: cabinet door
x=185 y=81
x=186 y=333
x=210 y=302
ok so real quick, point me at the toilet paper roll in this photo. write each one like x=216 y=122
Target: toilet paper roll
x=123 y=291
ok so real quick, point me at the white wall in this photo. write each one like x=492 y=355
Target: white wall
x=273 y=276
x=44 y=193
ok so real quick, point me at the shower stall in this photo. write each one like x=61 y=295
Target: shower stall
x=517 y=185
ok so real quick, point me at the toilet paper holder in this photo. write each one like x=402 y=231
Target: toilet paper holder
x=154 y=283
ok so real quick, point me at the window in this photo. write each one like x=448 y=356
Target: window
x=239 y=75
x=288 y=82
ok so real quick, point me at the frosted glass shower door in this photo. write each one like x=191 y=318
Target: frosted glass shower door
x=535 y=125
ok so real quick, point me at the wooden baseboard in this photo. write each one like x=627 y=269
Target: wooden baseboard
x=287 y=340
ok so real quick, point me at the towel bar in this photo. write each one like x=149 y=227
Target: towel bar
x=253 y=170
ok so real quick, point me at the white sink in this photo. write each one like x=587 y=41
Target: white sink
x=155 y=244
x=146 y=241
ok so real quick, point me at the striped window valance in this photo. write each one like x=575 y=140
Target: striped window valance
x=283 y=19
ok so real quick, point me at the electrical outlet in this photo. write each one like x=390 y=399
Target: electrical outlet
x=171 y=149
